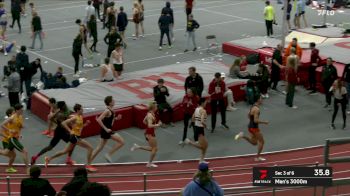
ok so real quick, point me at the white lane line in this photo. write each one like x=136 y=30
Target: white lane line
x=50 y=59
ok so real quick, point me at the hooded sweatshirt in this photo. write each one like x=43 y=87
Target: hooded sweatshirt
x=168 y=11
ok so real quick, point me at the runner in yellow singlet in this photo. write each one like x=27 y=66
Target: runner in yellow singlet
x=5 y=134
x=13 y=126
x=77 y=125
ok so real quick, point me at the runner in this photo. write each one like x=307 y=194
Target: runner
x=13 y=125
x=199 y=118
x=256 y=137
x=50 y=118
x=11 y=154
x=152 y=123
x=77 y=126
x=106 y=121
x=59 y=131
x=118 y=60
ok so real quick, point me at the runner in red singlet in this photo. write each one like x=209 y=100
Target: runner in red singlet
x=152 y=123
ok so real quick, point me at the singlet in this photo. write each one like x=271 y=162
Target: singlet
x=198 y=117
x=117 y=57
x=150 y=131
x=78 y=126
x=16 y=125
x=108 y=121
x=252 y=124
x=109 y=75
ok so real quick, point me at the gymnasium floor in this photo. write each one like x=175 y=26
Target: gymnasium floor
x=228 y=20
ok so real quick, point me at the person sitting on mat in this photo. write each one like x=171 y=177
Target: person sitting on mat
x=160 y=92
x=235 y=71
x=6 y=48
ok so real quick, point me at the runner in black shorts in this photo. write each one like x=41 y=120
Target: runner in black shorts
x=199 y=118
x=60 y=133
x=106 y=121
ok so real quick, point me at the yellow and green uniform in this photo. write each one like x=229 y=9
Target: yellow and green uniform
x=10 y=141
x=76 y=129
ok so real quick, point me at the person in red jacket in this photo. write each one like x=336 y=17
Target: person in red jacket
x=189 y=104
x=216 y=91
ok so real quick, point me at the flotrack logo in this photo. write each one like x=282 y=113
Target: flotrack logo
x=261 y=177
x=263 y=174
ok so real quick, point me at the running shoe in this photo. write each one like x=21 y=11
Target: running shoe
x=135 y=147
x=50 y=135
x=33 y=160
x=151 y=165
x=108 y=158
x=230 y=108
x=181 y=143
x=70 y=162
x=239 y=136
x=187 y=141
x=160 y=48
x=45 y=132
x=47 y=161
x=11 y=170
x=260 y=159
x=90 y=168
x=170 y=47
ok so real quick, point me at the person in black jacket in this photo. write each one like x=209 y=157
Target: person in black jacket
x=346 y=78
x=276 y=66
x=74 y=186
x=122 y=23
x=16 y=14
x=194 y=80
x=160 y=92
x=36 y=30
x=111 y=39
x=168 y=11
x=35 y=185
x=92 y=26
x=77 y=43
x=164 y=23
x=192 y=25
x=22 y=63
x=328 y=76
x=35 y=65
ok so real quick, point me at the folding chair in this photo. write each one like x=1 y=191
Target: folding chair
x=212 y=43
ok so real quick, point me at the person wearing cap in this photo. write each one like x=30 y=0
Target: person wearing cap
x=216 y=91
x=160 y=92
x=194 y=80
x=203 y=183
x=229 y=95
x=36 y=185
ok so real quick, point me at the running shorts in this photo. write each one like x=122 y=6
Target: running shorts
x=254 y=130
x=74 y=139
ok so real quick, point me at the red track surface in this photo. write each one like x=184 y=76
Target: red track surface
x=129 y=177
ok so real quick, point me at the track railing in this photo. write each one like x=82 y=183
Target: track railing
x=143 y=176
x=328 y=160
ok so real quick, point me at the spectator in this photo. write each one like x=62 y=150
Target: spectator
x=78 y=181
x=62 y=83
x=276 y=67
x=192 y=25
x=35 y=65
x=315 y=61
x=299 y=50
x=235 y=71
x=229 y=95
x=194 y=80
x=111 y=39
x=346 y=77
x=164 y=23
x=160 y=92
x=36 y=30
x=104 y=16
x=251 y=92
x=122 y=23
x=300 y=11
x=292 y=80
x=108 y=72
x=22 y=62
x=328 y=76
x=216 y=91
x=36 y=185
x=90 y=10
x=6 y=70
x=269 y=14
x=96 y=4
x=14 y=86
x=263 y=82
x=76 y=52
x=203 y=184
x=16 y=14
x=340 y=98
x=92 y=26
x=167 y=10
x=188 y=7
x=59 y=73
x=94 y=189
x=289 y=10
x=189 y=104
